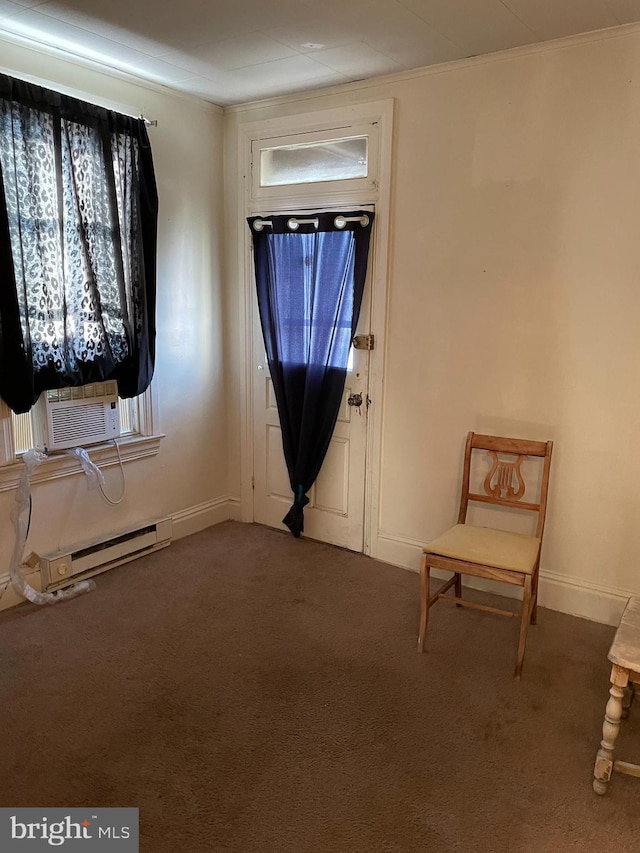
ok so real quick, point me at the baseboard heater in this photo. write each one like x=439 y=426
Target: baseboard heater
x=67 y=567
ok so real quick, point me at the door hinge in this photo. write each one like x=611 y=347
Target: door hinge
x=364 y=342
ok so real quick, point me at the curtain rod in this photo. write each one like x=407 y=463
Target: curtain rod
x=294 y=223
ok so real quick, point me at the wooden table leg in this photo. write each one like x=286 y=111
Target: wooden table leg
x=610 y=728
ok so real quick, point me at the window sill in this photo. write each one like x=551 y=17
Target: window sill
x=60 y=464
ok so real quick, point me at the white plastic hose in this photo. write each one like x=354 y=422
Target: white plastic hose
x=95 y=477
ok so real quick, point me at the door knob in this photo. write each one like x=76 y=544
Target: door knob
x=354 y=400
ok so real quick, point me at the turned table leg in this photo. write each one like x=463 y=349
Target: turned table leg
x=610 y=728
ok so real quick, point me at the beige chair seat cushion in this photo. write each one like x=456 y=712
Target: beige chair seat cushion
x=488 y=547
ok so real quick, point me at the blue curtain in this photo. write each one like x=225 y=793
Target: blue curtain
x=309 y=282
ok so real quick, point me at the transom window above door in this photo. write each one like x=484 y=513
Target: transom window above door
x=335 y=159
x=313 y=162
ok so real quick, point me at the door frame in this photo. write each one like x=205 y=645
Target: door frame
x=379 y=114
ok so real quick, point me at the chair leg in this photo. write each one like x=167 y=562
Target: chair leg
x=425 y=577
x=627 y=700
x=534 y=609
x=458 y=587
x=524 y=624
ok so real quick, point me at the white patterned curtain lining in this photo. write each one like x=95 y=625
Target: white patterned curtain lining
x=75 y=217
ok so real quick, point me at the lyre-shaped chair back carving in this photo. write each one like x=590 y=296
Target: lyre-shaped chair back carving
x=505 y=483
x=505 y=480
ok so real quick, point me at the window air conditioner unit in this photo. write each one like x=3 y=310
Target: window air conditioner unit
x=75 y=417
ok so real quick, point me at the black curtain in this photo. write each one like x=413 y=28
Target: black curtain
x=310 y=273
x=78 y=226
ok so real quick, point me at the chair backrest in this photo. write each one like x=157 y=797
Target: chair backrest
x=504 y=485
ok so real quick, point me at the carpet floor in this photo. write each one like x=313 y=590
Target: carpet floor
x=251 y=693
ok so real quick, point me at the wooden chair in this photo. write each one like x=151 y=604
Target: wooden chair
x=486 y=552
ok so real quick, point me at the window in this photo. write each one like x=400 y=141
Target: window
x=138 y=431
x=340 y=161
x=22 y=425
x=78 y=225
x=313 y=162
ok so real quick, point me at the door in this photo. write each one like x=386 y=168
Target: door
x=335 y=512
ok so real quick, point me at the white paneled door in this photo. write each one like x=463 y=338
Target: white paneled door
x=335 y=512
x=331 y=160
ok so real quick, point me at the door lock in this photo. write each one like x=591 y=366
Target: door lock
x=366 y=342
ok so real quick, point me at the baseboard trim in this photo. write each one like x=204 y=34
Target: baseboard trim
x=185 y=522
x=564 y=593
x=199 y=517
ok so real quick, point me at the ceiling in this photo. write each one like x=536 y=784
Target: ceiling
x=234 y=51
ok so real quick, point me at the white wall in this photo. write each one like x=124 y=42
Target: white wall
x=513 y=304
x=514 y=296
x=188 y=478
